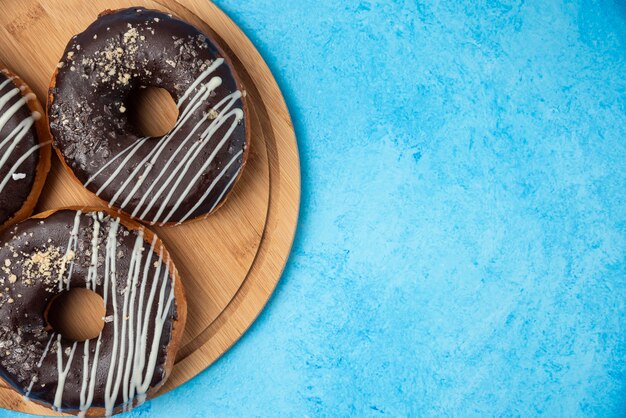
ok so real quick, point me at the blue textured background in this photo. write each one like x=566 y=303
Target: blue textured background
x=461 y=249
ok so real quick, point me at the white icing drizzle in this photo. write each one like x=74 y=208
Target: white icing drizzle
x=133 y=283
x=92 y=272
x=5 y=82
x=16 y=135
x=193 y=153
x=133 y=273
x=10 y=142
x=210 y=188
x=70 y=254
x=133 y=356
x=134 y=146
x=39 y=363
x=86 y=403
x=62 y=371
x=45 y=352
x=19 y=162
x=133 y=380
x=110 y=274
x=151 y=159
x=178 y=164
x=89 y=376
x=8 y=96
x=199 y=80
x=173 y=156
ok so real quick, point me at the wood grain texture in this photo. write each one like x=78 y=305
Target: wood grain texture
x=231 y=262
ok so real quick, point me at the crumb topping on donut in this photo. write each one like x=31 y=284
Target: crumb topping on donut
x=182 y=175
x=40 y=259
x=117 y=60
x=21 y=359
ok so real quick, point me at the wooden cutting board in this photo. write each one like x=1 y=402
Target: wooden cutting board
x=231 y=262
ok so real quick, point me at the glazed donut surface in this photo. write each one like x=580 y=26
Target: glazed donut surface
x=180 y=176
x=24 y=149
x=129 y=268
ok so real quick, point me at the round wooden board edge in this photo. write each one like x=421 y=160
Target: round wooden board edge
x=284 y=207
x=282 y=219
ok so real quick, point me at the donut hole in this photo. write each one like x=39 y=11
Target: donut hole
x=77 y=314
x=151 y=111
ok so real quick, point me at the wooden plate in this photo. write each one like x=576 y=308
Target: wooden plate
x=231 y=262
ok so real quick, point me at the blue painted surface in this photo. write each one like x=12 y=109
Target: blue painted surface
x=461 y=249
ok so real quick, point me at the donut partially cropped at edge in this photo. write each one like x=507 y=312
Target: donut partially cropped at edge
x=130 y=268
x=187 y=173
x=24 y=149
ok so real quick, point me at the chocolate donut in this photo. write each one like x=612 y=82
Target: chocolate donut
x=24 y=149
x=182 y=175
x=128 y=266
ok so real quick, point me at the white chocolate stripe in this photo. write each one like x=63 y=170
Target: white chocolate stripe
x=156 y=340
x=190 y=102
x=200 y=79
x=158 y=329
x=156 y=152
x=91 y=282
x=113 y=176
x=8 y=96
x=92 y=272
x=134 y=145
x=68 y=249
x=133 y=271
x=18 y=163
x=131 y=317
x=5 y=82
x=133 y=358
x=18 y=133
x=190 y=156
x=227 y=188
x=110 y=262
x=210 y=188
x=140 y=314
x=137 y=380
x=202 y=169
x=92 y=379
x=62 y=372
x=6 y=116
x=26 y=123
x=43 y=356
x=164 y=169
x=74 y=244
x=208 y=134
x=83 y=386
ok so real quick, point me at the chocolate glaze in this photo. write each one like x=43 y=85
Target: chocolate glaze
x=28 y=286
x=14 y=194
x=106 y=64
